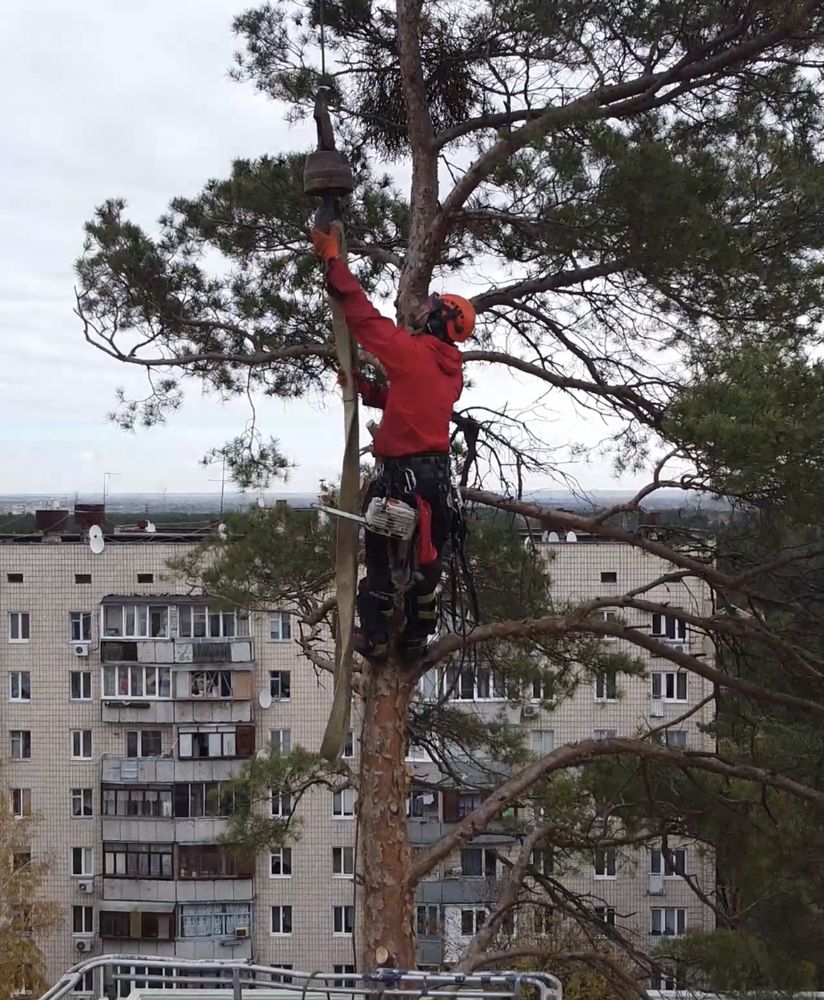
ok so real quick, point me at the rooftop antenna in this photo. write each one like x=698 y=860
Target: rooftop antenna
x=96 y=540
x=222 y=482
x=106 y=477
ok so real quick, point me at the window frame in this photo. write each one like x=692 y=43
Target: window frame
x=339 y=859
x=83 y=621
x=666 y=623
x=23 y=737
x=488 y=866
x=23 y=794
x=667 y=681
x=282 y=745
x=141 y=737
x=283 y=798
x=605 y=863
x=113 y=867
x=237 y=622
x=23 y=624
x=284 y=911
x=82 y=733
x=342 y=796
x=78 y=797
x=343 y=916
x=224 y=918
x=82 y=858
x=606 y=681
x=483 y=679
x=117 y=676
x=680 y=918
x=140 y=614
x=86 y=914
x=475 y=912
x=665 y=867
x=276 y=685
x=284 y=856
x=543 y=734
x=23 y=685
x=606 y=914
x=283 y=634
x=85 y=684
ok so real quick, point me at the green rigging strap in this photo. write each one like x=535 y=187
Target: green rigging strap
x=346 y=555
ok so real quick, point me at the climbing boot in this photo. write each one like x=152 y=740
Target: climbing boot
x=373 y=648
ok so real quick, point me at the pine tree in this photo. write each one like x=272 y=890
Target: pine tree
x=635 y=192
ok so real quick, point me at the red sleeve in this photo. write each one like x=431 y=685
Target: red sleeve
x=390 y=344
x=371 y=394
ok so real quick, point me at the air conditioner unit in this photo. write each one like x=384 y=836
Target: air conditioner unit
x=83 y=945
x=241 y=932
x=656 y=708
x=656 y=885
x=454 y=872
x=87 y=887
x=529 y=711
x=80 y=648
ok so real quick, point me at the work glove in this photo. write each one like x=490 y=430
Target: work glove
x=327 y=245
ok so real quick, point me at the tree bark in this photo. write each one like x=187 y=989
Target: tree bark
x=384 y=856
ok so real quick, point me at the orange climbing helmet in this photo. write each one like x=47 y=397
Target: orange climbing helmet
x=451 y=317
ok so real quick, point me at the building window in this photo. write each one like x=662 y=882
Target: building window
x=468 y=802
x=210 y=920
x=664 y=981
x=280 y=740
x=81 y=802
x=14 y=577
x=20 y=744
x=606 y=914
x=609 y=576
x=543 y=741
x=283 y=979
x=280 y=863
x=672 y=865
x=341 y=969
x=80 y=685
x=675 y=738
x=82 y=578
x=281 y=807
x=543 y=860
x=343 y=803
x=605 y=863
x=145 y=577
x=136 y=621
x=343 y=920
x=211 y=684
x=19 y=626
x=606 y=685
x=220 y=741
x=280 y=626
x=543 y=689
x=211 y=861
x=19 y=685
x=281 y=920
x=138 y=802
x=137 y=682
x=669 y=628
x=82 y=861
x=605 y=734
x=472 y=921
x=80 y=626
x=669 y=921
x=202 y=798
x=21 y=802
x=343 y=862
x=280 y=685
x=197 y=621
x=85 y=984
x=82 y=919
x=478 y=862
x=427 y=921
x=610 y=618
x=137 y=860
x=475 y=684
x=144 y=743
x=670 y=685
x=81 y=744
x=348 y=746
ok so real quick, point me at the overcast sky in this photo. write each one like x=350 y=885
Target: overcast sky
x=131 y=98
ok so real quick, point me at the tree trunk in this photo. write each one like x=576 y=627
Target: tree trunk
x=386 y=936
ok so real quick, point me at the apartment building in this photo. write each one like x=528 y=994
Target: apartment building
x=129 y=703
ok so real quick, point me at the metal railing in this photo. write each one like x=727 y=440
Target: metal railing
x=235 y=976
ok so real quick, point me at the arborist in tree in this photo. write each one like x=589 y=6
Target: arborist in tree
x=411 y=445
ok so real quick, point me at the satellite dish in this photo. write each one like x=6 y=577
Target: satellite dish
x=222 y=531
x=571 y=536
x=96 y=540
x=150 y=528
x=552 y=536
x=262 y=753
x=265 y=698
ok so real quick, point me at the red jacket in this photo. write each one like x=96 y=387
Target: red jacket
x=425 y=379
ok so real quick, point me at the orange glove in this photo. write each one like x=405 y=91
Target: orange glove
x=327 y=245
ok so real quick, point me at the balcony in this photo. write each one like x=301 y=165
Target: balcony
x=458 y=890
x=430 y=951
x=202 y=830
x=147 y=891
x=160 y=649
x=165 y=771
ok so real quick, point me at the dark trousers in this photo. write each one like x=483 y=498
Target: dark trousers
x=426 y=476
